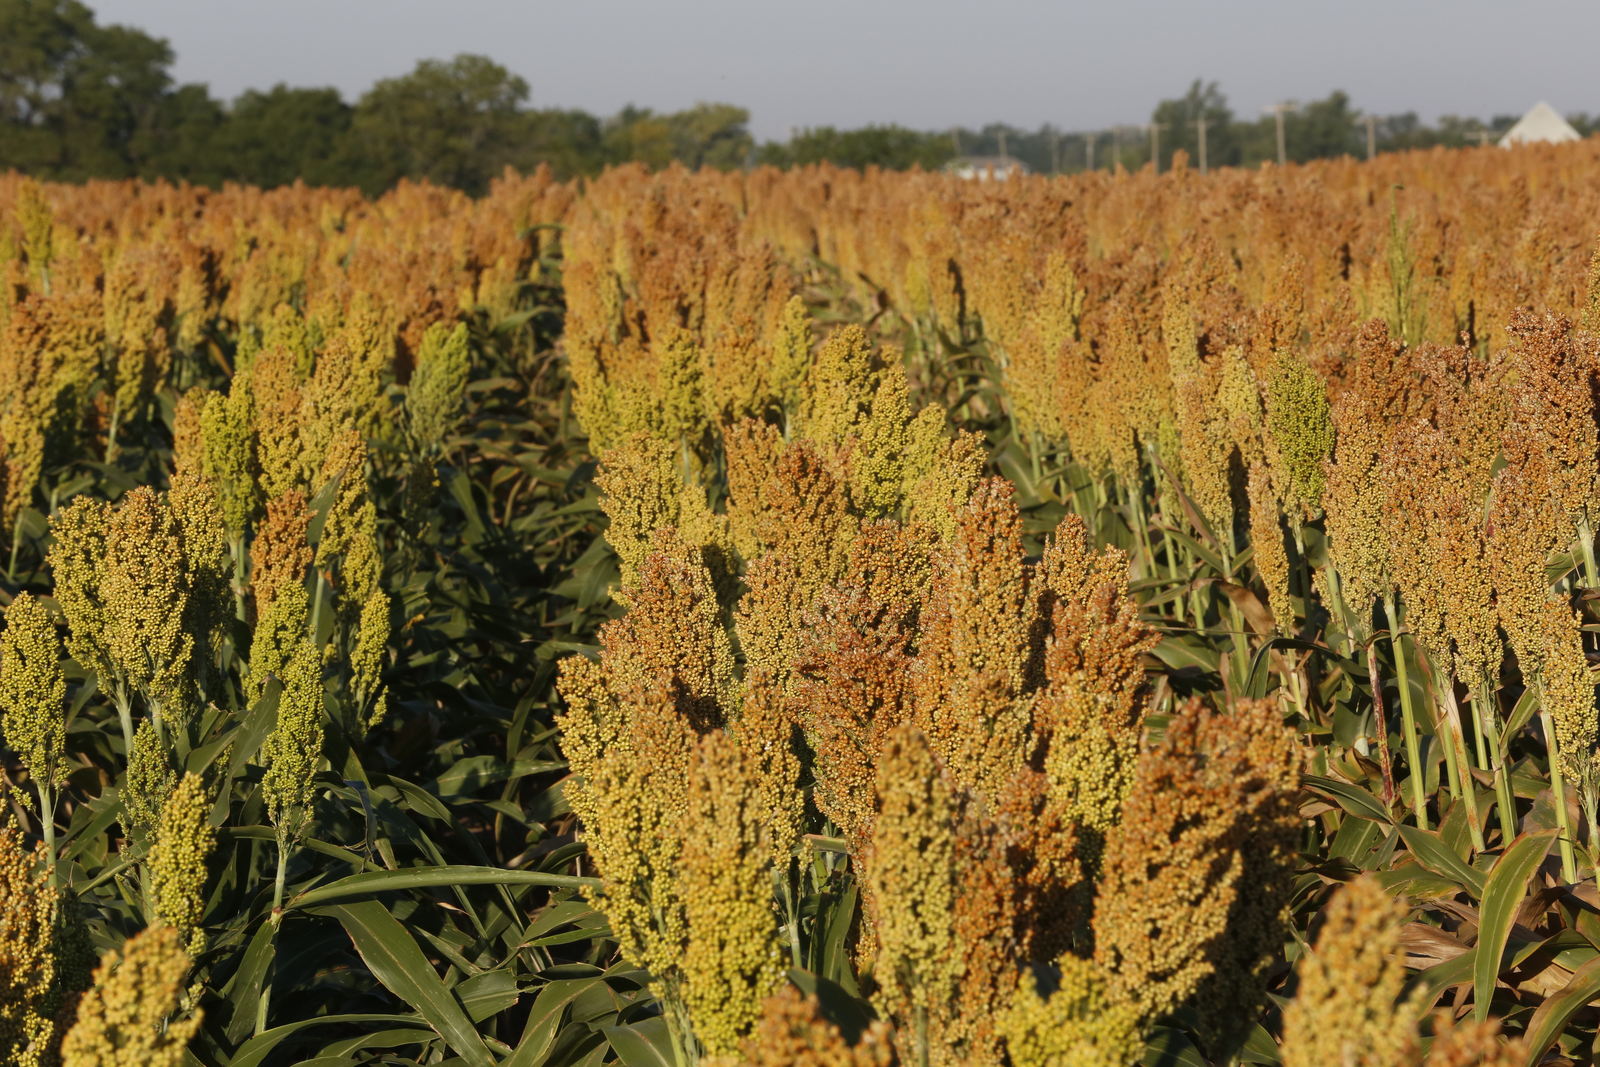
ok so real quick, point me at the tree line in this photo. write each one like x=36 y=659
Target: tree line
x=81 y=100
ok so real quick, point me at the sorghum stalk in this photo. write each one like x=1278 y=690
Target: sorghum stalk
x=1408 y=718
x=1380 y=720
x=1487 y=713
x=1469 y=790
x=1569 y=863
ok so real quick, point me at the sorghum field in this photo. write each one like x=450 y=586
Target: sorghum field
x=805 y=617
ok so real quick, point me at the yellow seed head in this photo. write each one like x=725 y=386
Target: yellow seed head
x=1346 y=1011
x=294 y=748
x=277 y=636
x=227 y=426
x=367 y=661
x=1078 y=1025
x=1301 y=427
x=732 y=962
x=151 y=779
x=125 y=1020
x=33 y=691
x=184 y=842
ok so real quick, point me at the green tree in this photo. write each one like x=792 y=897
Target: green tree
x=890 y=147
x=79 y=100
x=456 y=123
x=1180 y=117
x=279 y=136
x=706 y=135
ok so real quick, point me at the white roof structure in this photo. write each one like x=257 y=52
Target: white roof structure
x=1541 y=125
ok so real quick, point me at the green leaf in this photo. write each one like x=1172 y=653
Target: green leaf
x=643 y=1044
x=394 y=959
x=544 y=1019
x=373 y=882
x=1555 y=1013
x=1434 y=854
x=486 y=994
x=255 y=1051
x=1502 y=896
x=1352 y=798
x=1167 y=1047
x=850 y=1014
x=245 y=991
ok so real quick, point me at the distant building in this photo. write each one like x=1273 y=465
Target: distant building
x=983 y=168
x=1541 y=125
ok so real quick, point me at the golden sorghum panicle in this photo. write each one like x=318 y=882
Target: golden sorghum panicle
x=839 y=389
x=975 y=640
x=877 y=460
x=1271 y=557
x=644 y=491
x=852 y=688
x=1183 y=858
x=34 y=969
x=853 y=680
x=1566 y=687
x=183 y=845
x=791 y=355
x=1300 y=429
x=294 y=748
x=911 y=876
x=1356 y=504
x=1345 y=1011
x=793 y=1033
x=207 y=567
x=732 y=961
x=125 y=1020
x=146 y=595
x=277 y=635
x=366 y=661
x=37 y=221
x=807 y=518
x=768 y=736
x=438 y=384
x=1591 y=303
x=33 y=692
x=674 y=637
x=1092 y=706
x=227 y=426
x=188 y=438
x=280 y=554
x=1078 y=1025
x=1523 y=529
x=1240 y=398
x=1469 y=1043
x=1439 y=556
x=277 y=387
x=954 y=469
x=1553 y=408
x=151 y=779
x=752 y=449
x=631 y=791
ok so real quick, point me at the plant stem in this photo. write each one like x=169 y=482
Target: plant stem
x=316 y=604
x=111 y=431
x=1469 y=787
x=1586 y=540
x=1408 y=719
x=1569 y=861
x=1380 y=720
x=1487 y=715
x=47 y=825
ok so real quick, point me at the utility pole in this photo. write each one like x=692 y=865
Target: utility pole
x=1116 y=146
x=1372 y=136
x=1055 y=152
x=1483 y=137
x=1088 y=149
x=955 y=138
x=1155 y=129
x=1279 y=110
x=1200 y=125
x=1002 y=146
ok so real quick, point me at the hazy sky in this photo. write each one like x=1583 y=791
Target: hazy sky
x=927 y=65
